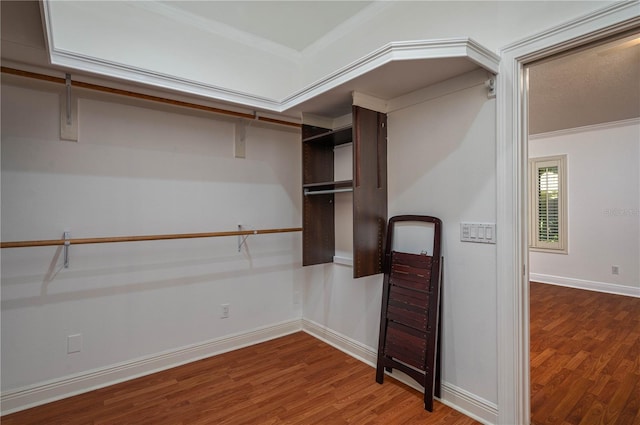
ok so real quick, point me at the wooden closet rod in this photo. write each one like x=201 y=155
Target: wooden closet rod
x=136 y=95
x=54 y=242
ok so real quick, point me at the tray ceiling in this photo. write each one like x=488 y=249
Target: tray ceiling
x=604 y=79
x=293 y=24
x=248 y=45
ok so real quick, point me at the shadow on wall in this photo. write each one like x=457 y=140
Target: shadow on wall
x=98 y=271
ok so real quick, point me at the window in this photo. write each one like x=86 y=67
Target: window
x=548 y=204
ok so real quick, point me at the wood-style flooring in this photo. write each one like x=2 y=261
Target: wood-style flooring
x=296 y=379
x=585 y=357
x=585 y=370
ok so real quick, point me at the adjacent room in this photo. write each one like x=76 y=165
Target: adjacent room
x=195 y=199
x=584 y=150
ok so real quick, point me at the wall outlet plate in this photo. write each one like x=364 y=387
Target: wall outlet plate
x=74 y=343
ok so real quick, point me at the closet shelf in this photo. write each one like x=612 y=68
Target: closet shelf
x=341 y=184
x=331 y=138
x=328 y=187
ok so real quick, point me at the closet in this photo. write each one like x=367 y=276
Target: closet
x=367 y=183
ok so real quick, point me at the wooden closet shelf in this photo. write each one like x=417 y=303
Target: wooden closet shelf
x=329 y=185
x=331 y=138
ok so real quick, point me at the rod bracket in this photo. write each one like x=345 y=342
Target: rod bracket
x=68 y=112
x=67 y=243
x=242 y=239
x=490 y=84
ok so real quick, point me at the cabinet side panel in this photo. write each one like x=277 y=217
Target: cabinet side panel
x=318 y=235
x=317 y=163
x=370 y=190
x=318 y=232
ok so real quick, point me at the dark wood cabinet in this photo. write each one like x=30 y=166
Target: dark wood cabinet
x=368 y=135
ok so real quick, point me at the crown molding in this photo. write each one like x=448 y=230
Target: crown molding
x=585 y=129
x=394 y=51
x=93 y=65
x=398 y=51
x=370 y=102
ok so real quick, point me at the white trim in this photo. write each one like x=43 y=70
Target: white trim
x=585 y=129
x=347 y=345
x=512 y=299
x=463 y=401
x=85 y=63
x=398 y=51
x=35 y=395
x=343 y=121
x=588 y=285
x=394 y=51
x=327 y=122
x=370 y=102
x=535 y=243
x=45 y=392
x=471 y=405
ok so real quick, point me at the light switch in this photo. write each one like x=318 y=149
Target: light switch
x=464 y=232
x=478 y=232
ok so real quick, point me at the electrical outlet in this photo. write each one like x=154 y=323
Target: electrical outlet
x=224 y=311
x=74 y=343
x=615 y=269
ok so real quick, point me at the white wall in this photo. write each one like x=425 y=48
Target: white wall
x=441 y=162
x=136 y=171
x=493 y=24
x=603 y=207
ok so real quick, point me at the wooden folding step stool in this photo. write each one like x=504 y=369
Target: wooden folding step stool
x=410 y=314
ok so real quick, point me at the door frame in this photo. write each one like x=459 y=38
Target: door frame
x=512 y=203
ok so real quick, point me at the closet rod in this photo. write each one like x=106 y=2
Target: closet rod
x=308 y=192
x=54 y=242
x=152 y=98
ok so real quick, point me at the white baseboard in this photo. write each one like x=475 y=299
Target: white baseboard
x=35 y=395
x=609 y=288
x=463 y=401
x=343 y=343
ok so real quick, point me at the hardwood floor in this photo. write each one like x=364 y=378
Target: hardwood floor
x=585 y=357
x=585 y=370
x=296 y=379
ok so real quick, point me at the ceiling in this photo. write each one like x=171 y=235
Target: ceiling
x=292 y=24
x=586 y=87
x=590 y=86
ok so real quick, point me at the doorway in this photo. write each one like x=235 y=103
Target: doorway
x=512 y=247
x=583 y=123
